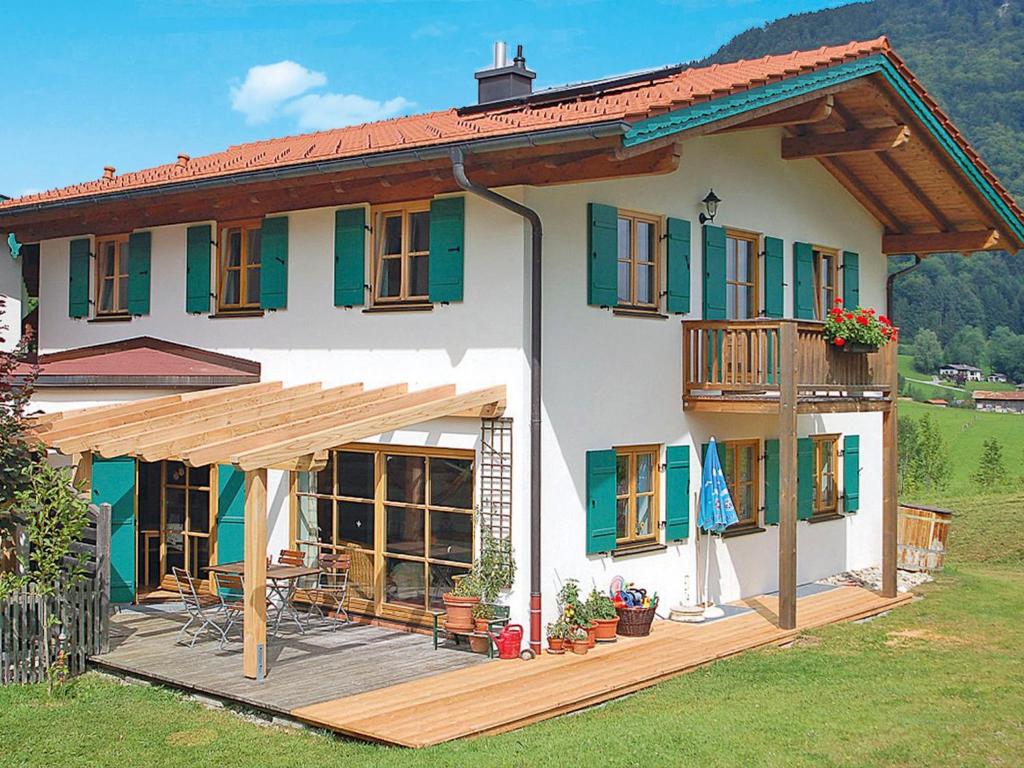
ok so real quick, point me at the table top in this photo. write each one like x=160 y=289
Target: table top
x=274 y=572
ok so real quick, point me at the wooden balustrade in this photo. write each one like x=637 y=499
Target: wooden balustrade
x=746 y=358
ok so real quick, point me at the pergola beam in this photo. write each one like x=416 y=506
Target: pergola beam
x=941 y=242
x=844 y=143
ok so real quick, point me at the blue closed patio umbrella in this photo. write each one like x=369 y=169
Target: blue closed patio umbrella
x=717 y=512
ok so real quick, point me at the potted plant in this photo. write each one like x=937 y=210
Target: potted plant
x=603 y=615
x=558 y=632
x=483 y=614
x=460 y=602
x=580 y=646
x=858 y=331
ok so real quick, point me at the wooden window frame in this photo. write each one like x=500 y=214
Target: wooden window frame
x=819 y=253
x=634 y=539
x=819 y=509
x=657 y=222
x=754 y=283
x=377 y=216
x=246 y=226
x=755 y=481
x=378 y=605
x=120 y=274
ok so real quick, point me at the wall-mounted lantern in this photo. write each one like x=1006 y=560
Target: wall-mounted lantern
x=710 y=201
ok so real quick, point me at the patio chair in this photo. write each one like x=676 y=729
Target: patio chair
x=203 y=609
x=332 y=588
x=291 y=557
x=231 y=592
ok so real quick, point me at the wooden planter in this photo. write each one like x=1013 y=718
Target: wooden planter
x=856 y=348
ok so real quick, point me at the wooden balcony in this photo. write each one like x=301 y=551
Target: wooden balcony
x=741 y=367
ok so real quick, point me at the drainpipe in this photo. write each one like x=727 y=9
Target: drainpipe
x=536 y=241
x=892 y=279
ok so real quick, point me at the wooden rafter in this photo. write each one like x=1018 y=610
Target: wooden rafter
x=859 y=190
x=814 y=111
x=844 y=143
x=941 y=242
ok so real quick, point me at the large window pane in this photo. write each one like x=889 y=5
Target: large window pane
x=451 y=536
x=623 y=278
x=325 y=478
x=392 y=235
x=419 y=232
x=355 y=523
x=643 y=515
x=391 y=277
x=325 y=520
x=645 y=284
x=175 y=548
x=625 y=238
x=622 y=518
x=252 y=286
x=405 y=531
x=307 y=519
x=255 y=241
x=199 y=511
x=232 y=287
x=419 y=267
x=644 y=472
x=441 y=581
x=355 y=474
x=174 y=509
x=176 y=473
x=621 y=475
x=199 y=556
x=451 y=483
x=404 y=583
x=122 y=295
x=199 y=476
x=406 y=479
x=234 y=248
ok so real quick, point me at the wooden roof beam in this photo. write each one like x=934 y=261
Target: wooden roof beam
x=400 y=415
x=941 y=242
x=815 y=111
x=859 y=190
x=844 y=143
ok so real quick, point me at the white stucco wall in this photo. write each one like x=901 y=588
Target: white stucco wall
x=10 y=290
x=608 y=381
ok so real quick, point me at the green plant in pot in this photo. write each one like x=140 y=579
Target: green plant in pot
x=558 y=633
x=460 y=602
x=602 y=613
x=483 y=614
x=580 y=645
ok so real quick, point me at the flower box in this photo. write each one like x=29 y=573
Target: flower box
x=858 y=331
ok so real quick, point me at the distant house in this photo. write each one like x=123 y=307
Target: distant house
x=1000 y=402
x=937 y=401
x=997 y=378
x=960 y=373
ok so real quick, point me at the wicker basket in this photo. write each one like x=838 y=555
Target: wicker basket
x=635 y=622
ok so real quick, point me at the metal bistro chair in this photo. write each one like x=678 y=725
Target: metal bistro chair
x=231 y=592
x=332 y=588
x=204 y=609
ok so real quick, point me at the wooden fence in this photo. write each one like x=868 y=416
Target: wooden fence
x=83 y=612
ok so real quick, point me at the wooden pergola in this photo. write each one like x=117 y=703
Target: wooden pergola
x=254 y=427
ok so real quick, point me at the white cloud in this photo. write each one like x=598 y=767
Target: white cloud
x=317 y=112
x=267 y=86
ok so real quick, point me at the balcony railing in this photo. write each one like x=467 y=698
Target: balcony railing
x=744 y=359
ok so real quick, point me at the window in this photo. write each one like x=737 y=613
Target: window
x=741 y=289
x=404 y=515
x=825 y=281
x=639 y=238
x=402 y=254
x=112 y=275
x=238 y=266
x=826 y=457
x=740 y=465
x=636 y=494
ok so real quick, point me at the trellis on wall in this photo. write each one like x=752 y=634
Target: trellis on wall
x=495 y=474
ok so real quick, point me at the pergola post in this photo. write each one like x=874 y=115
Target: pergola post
x=255 y=576
x=787 y=474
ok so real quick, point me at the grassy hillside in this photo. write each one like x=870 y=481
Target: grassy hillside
x=945 y=391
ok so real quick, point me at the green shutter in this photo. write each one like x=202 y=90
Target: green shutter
x=771 y=482
x=230 y=514
x=851 y=473
x=678 y=273
x=851 y=280
x=78 y=278
x=774 y=278
x=603 y=254
x=714 y=273
x=445 y=275
x=677 y=492
x=803 y=281
x=804 y=478
x=274 y=263
x=197 y=269
x=601 y=467
x=139 y=246
x=349 y=257
x=113 y=483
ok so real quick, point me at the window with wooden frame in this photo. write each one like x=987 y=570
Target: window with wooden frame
x=826 y=459
x=741 y=466
x=637 y=494
x=742 y=296
x=112 y=275
x=639 y=261
x=401 y=250
x=826 y=280
x=238 y=266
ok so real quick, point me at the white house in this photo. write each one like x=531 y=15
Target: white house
x=453 y=248
x=960 y=372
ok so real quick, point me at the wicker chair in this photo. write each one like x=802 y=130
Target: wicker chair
x=204 y=609
x=332 y=588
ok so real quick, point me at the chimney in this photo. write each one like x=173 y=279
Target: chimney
x=108 y=172
x=503 y=80
x=182 y=160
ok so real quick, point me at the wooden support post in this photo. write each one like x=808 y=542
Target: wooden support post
x=103 y=573
x=787 y=474
x=255 y=575
x=889 y=500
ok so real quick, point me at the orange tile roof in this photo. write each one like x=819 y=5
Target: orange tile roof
x=667 y=89
x=983 y=394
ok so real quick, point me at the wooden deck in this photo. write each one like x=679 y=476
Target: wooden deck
x=505 y=695
x=392 y=687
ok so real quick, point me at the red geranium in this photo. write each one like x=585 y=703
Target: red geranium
x=863 y=326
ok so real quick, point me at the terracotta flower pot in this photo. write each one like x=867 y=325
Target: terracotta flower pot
x=459 y=612
x=479 y=644
x=591 y=635
x=580 y=649
x=605 y=631
x=555 y=645
x=480 y=625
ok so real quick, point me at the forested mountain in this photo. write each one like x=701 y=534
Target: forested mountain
x=970 y=56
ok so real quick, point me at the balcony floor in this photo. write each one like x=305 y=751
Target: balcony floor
x=768 y=402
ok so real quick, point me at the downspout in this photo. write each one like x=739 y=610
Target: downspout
x=892 y=279
x=536 y=242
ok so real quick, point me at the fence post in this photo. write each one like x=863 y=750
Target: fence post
x=103 y=573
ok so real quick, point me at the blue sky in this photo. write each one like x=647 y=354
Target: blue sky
x=132 y=84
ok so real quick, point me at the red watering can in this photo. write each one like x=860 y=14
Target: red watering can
x=508 y=641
